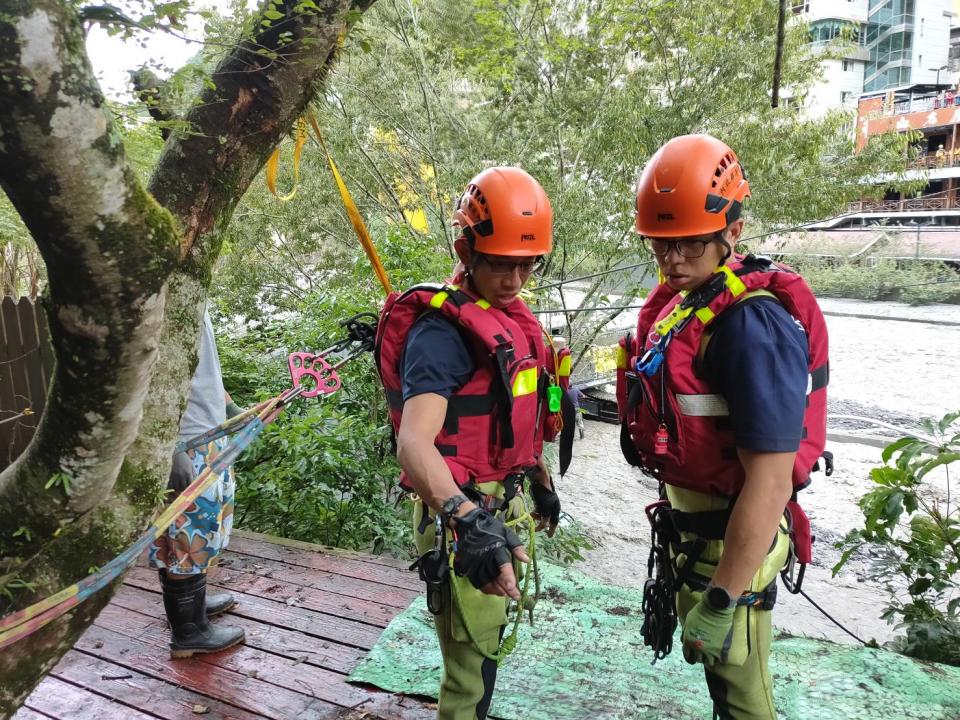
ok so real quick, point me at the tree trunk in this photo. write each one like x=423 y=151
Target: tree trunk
x=128 y=277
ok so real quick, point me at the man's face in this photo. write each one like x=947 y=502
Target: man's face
x=686 y=263
x=498 y=279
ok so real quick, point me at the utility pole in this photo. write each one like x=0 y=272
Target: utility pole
x=778 y=58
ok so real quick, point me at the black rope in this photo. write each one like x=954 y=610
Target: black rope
x=597 y=308
x=591 y=275
x=832 y=619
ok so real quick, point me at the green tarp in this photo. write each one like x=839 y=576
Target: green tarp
x=584 y=658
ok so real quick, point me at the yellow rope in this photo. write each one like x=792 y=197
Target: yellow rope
x=363 y=235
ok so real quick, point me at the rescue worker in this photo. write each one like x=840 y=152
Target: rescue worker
x=465 y=370
x=722 y=395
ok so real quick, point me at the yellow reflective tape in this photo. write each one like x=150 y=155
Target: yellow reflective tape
x=359 y=227
x=621 y=358
x=483 y=304
x=705 y=315
x=273 y=163
x=566 y=363
x=437 y=300
x=525 y=383
x=734 y=284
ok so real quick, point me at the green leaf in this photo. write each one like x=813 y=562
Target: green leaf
x=272 y=14
x=893 y=447
x=944 y=458
x=947 y=420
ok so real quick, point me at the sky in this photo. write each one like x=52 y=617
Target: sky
x=113 y=58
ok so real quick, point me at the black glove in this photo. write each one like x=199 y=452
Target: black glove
x=546 y=502
x=484 y=543
x=181 y=474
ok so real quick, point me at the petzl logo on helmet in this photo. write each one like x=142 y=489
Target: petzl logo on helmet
x=664 y=216
x=528 y=238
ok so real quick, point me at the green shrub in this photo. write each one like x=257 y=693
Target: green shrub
x=916 y=283
x=915 y=536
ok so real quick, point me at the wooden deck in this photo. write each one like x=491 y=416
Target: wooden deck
x=310 y=614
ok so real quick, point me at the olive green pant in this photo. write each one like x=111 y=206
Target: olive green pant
x=741 y=688
x=468 y=677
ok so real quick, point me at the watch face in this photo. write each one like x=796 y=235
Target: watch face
x=718 y=598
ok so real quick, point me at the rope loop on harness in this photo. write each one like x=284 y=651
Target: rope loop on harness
x=527 y=602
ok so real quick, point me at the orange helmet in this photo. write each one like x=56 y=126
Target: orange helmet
x=504 y=211
x=693 y=185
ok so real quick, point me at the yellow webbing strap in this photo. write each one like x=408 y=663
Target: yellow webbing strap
x=352 y=212
x=704 y=314
x=273 y=163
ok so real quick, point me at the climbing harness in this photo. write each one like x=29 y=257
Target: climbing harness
x=436 y=569
x=245 y=428
x=527 y=602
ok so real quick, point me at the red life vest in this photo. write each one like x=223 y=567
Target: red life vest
x=495 y=423
x=696 y=446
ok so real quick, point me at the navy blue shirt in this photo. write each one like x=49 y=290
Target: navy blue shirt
x=435 y=358
x=757 y=359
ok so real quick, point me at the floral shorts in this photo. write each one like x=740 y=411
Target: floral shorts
x=202 y=532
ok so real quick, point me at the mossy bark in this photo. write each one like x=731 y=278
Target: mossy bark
x=128 y=271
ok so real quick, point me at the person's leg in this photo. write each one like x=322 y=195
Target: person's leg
x=468 y=677
x=182 y=556
x=742 y=688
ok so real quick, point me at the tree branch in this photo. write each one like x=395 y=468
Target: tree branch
x=149 y=89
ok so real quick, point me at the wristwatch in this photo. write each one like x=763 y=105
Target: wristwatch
x=718 y=598
x=451 y=505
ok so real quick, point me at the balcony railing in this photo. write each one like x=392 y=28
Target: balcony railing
x=932 y=161
x=889 y=206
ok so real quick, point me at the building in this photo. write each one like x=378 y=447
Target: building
x=843 y=77
x=885 y=45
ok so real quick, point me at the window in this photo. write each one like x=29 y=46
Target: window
x=845 y=97
x=847 y=66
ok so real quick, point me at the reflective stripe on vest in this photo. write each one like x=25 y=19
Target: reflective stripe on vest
x=713 y=405
x=525 y=382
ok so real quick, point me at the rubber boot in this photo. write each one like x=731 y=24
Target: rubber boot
x=185 y=605
x=217 y=603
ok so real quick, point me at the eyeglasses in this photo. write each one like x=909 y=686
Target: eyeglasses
x=689 y=248
x=505 y=267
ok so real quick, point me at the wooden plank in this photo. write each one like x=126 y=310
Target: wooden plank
x=320 y=559
x=8 y=405
x=31 y=360
x=142 y=692
x=21 y=431
x=47 y=358
x=255 y=695
x=343 y=606
x=320 y=580
x=261 y=633
x=299 y=615
x=313 y=547
x=244 y=660
x=60 y=699
x=25 y=713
